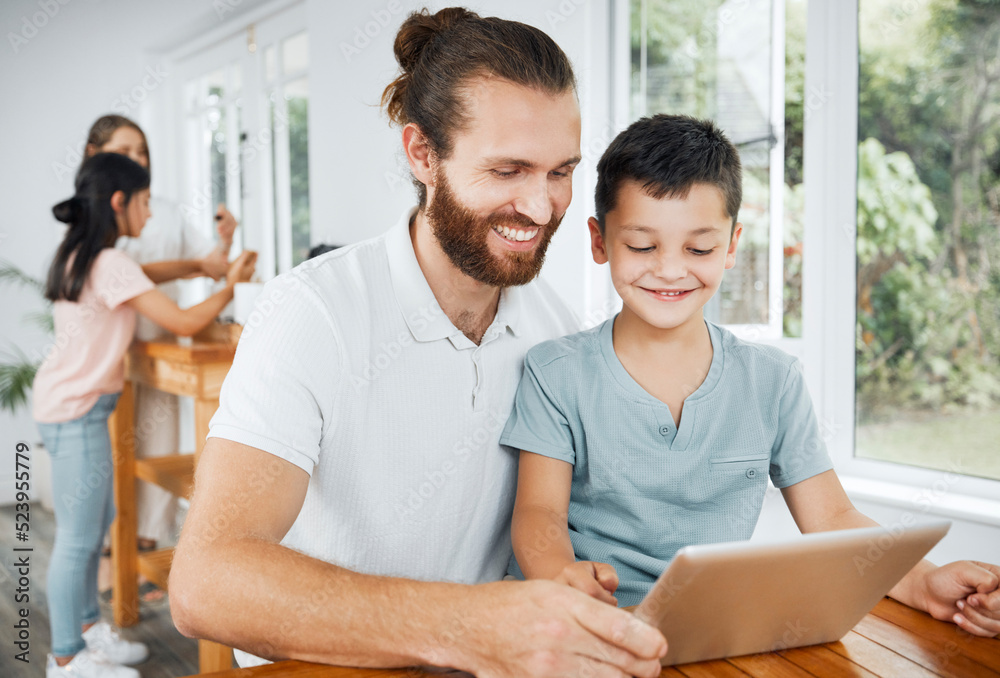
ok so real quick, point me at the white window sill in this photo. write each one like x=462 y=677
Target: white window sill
x=944 y=504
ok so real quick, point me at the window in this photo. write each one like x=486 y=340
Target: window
x=928 y=236
x=740 y=63
x=288 y=108
x=246 y=137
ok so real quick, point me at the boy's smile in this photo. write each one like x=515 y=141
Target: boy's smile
x=667 y=255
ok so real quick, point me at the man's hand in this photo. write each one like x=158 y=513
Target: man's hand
x=540 y=629
x=597 y=580
x=215 y=264
x=965 y=592
x=225 y=225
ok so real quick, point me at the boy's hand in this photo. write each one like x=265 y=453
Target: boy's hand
x=598 y=580
x=967 y=593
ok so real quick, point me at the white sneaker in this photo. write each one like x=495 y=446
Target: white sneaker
x=88 y=664
x=104 y=638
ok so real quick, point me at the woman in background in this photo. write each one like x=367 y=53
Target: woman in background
x=96 y=291
x=167 y=236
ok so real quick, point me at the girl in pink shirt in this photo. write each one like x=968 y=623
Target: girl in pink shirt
x=97 y=291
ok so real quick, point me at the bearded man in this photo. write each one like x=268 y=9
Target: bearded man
x=353 y=502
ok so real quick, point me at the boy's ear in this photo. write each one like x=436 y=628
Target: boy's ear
x=733 y=242
x=418 y=154
x=597 y=247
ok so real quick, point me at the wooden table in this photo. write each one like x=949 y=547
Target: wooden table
x=186 y=368
x=892 y=641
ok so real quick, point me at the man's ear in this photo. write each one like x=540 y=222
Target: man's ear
x=733 y=242
x=597 y=247
x=418 y=154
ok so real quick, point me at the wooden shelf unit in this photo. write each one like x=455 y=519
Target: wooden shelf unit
x=195 y=369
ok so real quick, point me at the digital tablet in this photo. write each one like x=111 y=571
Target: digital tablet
x=725 y=600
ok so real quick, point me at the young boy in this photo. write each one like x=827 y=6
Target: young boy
x=659 y=429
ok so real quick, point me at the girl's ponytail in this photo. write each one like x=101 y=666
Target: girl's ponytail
x=93 y=223
x=68 y=211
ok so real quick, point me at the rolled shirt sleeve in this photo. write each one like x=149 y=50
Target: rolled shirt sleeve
x=537 y=423
x=799 y=450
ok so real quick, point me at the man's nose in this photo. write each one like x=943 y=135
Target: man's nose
x=534 y=201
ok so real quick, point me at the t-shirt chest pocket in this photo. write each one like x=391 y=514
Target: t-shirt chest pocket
x=752 y=466
x=737 y=484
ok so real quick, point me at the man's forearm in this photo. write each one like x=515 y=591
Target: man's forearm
x=281 y=604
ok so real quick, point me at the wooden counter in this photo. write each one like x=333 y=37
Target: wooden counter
x=892 y=641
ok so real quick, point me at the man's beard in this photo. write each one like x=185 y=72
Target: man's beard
x=464 y=237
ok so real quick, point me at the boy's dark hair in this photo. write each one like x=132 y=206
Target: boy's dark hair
x=439 y=54
x=92 y=223
x=667 y=154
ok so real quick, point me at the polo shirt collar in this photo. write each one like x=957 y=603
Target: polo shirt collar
x=421 y=311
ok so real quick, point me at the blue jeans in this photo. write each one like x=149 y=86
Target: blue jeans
x=82 y=482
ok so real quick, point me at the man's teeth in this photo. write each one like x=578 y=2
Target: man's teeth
x=516 y=234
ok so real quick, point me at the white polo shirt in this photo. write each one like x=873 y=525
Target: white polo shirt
x=349 y=369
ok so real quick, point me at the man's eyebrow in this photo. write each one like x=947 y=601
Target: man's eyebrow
x=527 y=164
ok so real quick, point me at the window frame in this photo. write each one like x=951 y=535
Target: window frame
x=829 y=281
x=220 y=48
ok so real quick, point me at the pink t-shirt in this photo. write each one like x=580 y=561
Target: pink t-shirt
x=85 y=360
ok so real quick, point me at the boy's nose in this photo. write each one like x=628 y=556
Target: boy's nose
x=534 y=201
x=670 y=267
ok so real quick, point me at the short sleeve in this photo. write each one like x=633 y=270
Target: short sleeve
x=799 y=451
x=115 y=278
x=281 y=391
x=537 y=423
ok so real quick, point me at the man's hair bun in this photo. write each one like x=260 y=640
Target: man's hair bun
x=440 y=53
x=420 y=29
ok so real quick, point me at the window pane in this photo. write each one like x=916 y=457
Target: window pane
x=270 y=63
x=794 y=200
x=295 y=54
x=928 y=330
x=215 y=119
x=712 y=59
x=297 y=96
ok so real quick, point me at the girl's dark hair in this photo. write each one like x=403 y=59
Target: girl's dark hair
x=439 y=53
x=106 y=125
x=666 y=155
x=92 y=222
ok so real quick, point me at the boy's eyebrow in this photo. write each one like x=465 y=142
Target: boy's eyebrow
x=638 y=228
x=527 y=164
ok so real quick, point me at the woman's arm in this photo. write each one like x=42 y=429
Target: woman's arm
x=165 y=271
x=162 y=310
x=540 y=532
